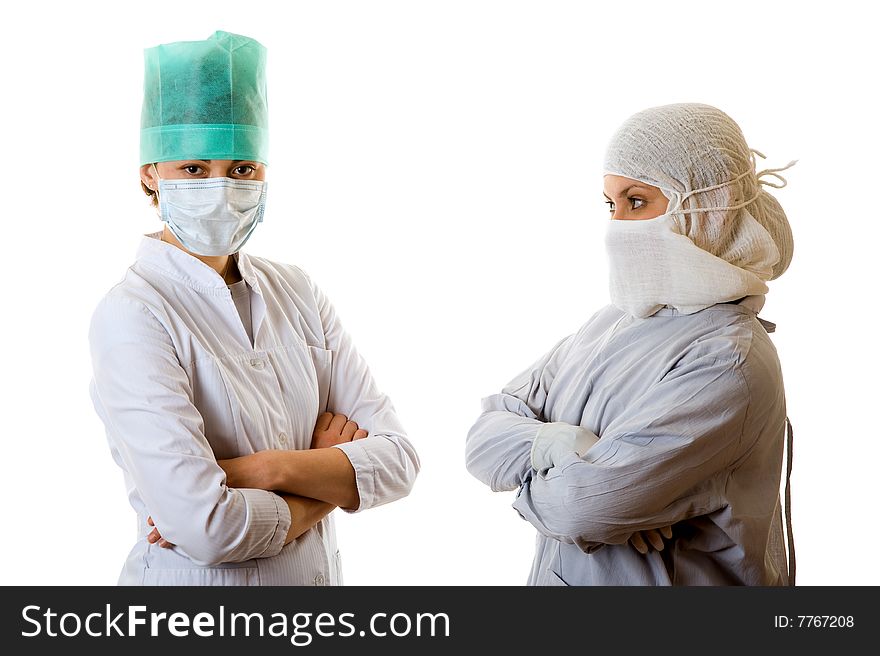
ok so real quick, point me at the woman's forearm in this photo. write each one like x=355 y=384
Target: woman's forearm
x=323 y=474
x=304 y=514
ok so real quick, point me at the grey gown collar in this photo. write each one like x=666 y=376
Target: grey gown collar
x=746 y=305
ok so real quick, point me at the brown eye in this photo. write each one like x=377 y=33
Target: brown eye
x=192 y=169
x=245 y=169
x=633 y=202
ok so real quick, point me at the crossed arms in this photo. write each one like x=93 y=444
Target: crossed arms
x=661 y=462
x=311 y=482
x=225 y=512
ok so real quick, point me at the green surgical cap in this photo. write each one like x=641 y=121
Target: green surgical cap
x=205 y=100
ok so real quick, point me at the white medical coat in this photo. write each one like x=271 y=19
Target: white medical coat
x=178 y=386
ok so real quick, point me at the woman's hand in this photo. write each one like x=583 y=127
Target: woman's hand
x=641 y=539
x=154 y=536
x=332 y=429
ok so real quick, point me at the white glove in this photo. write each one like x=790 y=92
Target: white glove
x=557 y=439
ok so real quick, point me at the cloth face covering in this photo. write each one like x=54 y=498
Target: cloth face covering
x=718 y=203
x=652 y=264
x=212 y=216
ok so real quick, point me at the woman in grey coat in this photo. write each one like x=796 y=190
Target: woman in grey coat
x=663 y=419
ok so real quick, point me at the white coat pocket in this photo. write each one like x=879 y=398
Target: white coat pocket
x=202 y=576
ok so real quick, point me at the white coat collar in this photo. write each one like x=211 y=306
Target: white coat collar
x=191 y=271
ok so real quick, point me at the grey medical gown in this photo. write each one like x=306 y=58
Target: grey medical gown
x=690 y=412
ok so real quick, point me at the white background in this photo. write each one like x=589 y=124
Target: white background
x=436 y=168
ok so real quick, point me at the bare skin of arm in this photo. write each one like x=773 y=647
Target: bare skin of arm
x=304 y=514
x=332 y=480
x=319 y=473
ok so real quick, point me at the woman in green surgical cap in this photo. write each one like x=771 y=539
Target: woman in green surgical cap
x=213 y=368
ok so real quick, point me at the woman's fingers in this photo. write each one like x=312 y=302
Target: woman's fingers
x=337 y=424
x=323 y=422
x=332 y=429
x=639 y=543
x=349 y=430
x=655 y=539
x=155 y=537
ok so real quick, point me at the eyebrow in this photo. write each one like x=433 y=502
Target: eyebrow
x=626 y=191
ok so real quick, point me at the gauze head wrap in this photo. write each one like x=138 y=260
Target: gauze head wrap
x=690 y=147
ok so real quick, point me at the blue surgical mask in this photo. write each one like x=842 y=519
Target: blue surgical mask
x=212 y=216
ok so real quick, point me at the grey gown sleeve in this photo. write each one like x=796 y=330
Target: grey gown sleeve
x=664 y=460
x=499 y=442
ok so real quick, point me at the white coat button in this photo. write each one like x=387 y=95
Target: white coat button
x=257 y=364
x=282 y=438
x=319 y=579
